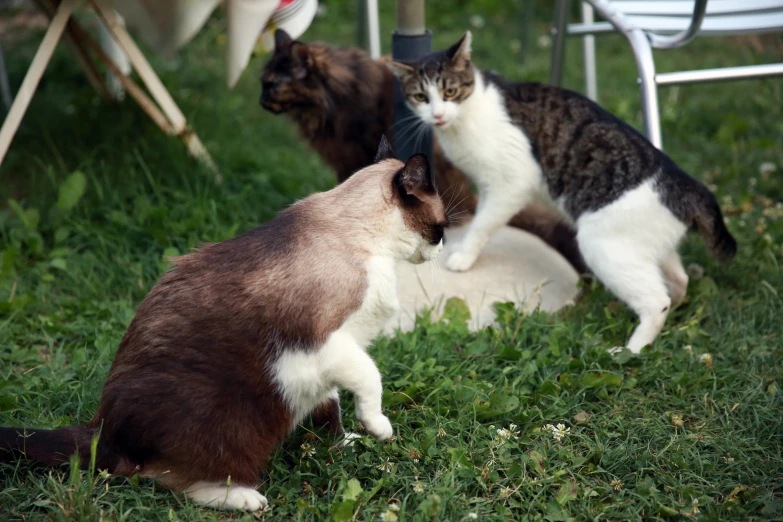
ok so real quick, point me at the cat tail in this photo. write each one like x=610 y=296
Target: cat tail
x=52 y=448
x=708 y=220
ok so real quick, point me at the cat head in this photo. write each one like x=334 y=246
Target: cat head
x=405 y=208
x=287 y=78
x=436 y=85
x=318 y=76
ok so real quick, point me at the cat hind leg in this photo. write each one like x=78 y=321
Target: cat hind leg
x=675 y=276
x=636 y=280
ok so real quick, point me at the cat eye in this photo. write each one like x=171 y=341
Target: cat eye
x=420 y=96
x=450 y=92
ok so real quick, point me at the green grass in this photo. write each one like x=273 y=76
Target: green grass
x=665 y=434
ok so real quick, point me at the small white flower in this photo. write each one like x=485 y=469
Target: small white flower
x=544 y=41
x=389 y=516
x=504 y=435
x=307 y=450
x=472 y=516
x=688 y=348
x=394 y=507
x=418 y=487
x=706 y=358
x=477 y=21
x=558 y=432
x=695 y=506
x=441 y=432
x=767 y=168
x=385 y=466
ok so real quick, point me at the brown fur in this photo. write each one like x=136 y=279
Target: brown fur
x=190 y=395
x=341 y=100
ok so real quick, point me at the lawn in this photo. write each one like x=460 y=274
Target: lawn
x=691 y=428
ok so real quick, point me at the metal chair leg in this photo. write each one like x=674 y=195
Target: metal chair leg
x=588 y=42
x=558 y=45
x=642 y=51
x=5 y=88
x=369 y=27
x=527 y=26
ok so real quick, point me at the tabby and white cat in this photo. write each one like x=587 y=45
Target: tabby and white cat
x=522 y=142
x=245 y=338
x=342 y=101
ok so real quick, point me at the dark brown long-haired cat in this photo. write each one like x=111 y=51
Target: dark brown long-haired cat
x=342 y=101
x=243 y=339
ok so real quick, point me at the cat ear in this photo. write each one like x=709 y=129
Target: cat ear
x=302 y=58
x=282 y=38
x=400 y=69
x=461 y=49
x=415 y=178
x=384 y=150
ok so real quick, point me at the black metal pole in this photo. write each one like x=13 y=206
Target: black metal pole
x=410 y=41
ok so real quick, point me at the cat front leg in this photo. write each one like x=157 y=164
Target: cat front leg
x=495 y=208
x=351 y=368
x=329 y=416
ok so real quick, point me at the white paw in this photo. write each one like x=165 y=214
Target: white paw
x=618 y=349
x=348 y=439
x=378 y=426
x=460 y=261
x=231 y=497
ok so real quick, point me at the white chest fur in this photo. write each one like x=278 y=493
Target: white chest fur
x=488 y=147
x=307 y=379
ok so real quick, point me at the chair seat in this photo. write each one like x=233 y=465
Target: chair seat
x=723 y=17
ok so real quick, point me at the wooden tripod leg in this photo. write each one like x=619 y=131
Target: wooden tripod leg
x=93 y=75
x=155 y=86
x=136 y=92
x=53 y=34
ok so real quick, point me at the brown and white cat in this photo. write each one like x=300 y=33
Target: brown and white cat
x=342 y=101
x=243 y=339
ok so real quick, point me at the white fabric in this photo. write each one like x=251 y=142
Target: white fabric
x=514 y=266
x=168 y=25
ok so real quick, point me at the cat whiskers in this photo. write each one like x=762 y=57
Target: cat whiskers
x=413 y=131
x=452 y=217
x=455 y=205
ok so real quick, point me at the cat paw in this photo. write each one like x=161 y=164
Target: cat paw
x=460 y=261
x=378 y=426
x=348 y=439
x=229 y=498
x=247 y=499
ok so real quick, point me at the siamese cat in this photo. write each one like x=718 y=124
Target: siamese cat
x=245 y=338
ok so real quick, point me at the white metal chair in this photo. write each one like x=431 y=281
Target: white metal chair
x=665 y=24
